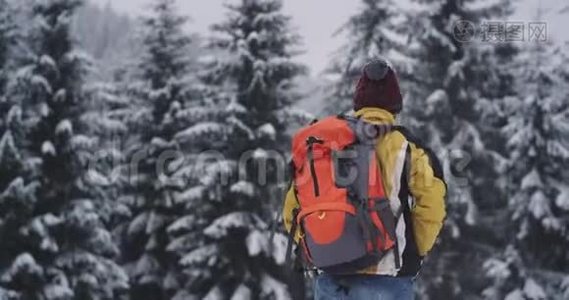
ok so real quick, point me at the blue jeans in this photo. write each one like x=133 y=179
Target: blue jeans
x=363 y=287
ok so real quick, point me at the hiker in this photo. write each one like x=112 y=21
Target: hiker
x=366 y=202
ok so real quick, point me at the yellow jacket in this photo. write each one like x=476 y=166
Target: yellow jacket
x=418 y=229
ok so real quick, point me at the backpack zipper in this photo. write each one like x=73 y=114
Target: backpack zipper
x=310 y=141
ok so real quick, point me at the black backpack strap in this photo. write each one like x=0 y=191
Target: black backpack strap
x=403 y=196
x=296 y=263
x=291 y=234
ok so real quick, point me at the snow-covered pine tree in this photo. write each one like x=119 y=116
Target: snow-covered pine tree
x=16 y=192
x=160 y=90
x=446 y=83
x=59 y=246
x=374 y=31
x=17 y=197
x=232 y=256
x=7 y=39
x=538 y=144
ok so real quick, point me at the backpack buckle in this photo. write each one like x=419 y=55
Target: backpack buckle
x=313 y=140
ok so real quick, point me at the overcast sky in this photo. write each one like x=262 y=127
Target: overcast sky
x=317 y=20
x=314 y=20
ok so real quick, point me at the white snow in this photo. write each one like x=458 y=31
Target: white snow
x=138 y=224
x=220 y=226
x=235 y=107
x=482 y=5
x=48 y=148
x=111 y=125
x=538 y=205
x=214 y=294
x=260 y=153
x=280 y=243
x=200 y=130
x=522 y=135
x=565 y=282
x=272 y=287
x=199 y=255
x=253 y=36
x=81 y=141
x=267 y=130
x=183 y=223
x=44 y=109
x=562 y=200
x=497 y=269
x=556 y=148
x=257 y=242
x=14 y=115
x=58 y=292
x=195 y=113
x=190 y=195
x=41 y=81
x=64 y=127
x=96 y=178
x=218 y=172
x=444 y=40
x=181 y=244
x=243 y=187
x=242 y=292
x=515 y=295
x=533 y=291
x=8 y=149
x=155 y=221
x=394 y=36
x=437 y=97
x=78 y=56
x=238 y=124
x=185 y=295
x=47 y=61
x=24 y=263
x=146 y=264
x=60 y=95
x=531 y=180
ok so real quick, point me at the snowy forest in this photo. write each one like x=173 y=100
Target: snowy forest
x=141 y=160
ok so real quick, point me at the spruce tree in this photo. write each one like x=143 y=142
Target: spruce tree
x=232 y=256
x=17 y=197
x=448 y=83
x=445 y=80
x=160 y=90
x=7 y=39
x=372 y=32
x=538 y=144
x=59 y=246
x=17 y=192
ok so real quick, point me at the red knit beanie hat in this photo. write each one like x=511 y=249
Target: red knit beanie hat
x=378 y=87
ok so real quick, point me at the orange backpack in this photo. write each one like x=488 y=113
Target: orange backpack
x=344 y=216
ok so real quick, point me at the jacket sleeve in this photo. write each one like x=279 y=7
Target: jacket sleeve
x=290 y=203
x=427 y=186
